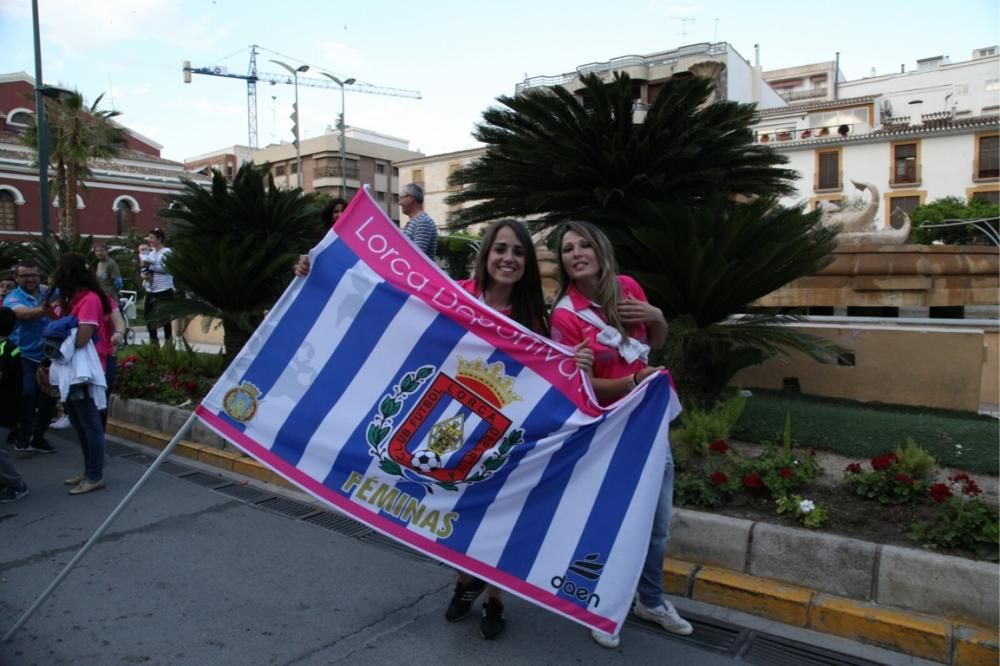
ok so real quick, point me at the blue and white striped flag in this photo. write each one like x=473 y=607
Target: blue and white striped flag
x=384 y=389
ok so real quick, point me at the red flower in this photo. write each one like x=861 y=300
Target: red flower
x=971 y=488
x=958 y=478
x=883 y=462
x=905 y=479
x=812 y=452
x=786 y=472
x=753 y=480
x=718 y=478
x=719 y=446
x=940 y=492
x=854 y=468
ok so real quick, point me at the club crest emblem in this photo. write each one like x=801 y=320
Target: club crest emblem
x=454 y=433
x=240 y=402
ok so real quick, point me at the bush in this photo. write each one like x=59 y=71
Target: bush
x=166 y=374
x=700 y=428
x=953 y=208
x=896 y=478
x=780 y=470
x=963 y=520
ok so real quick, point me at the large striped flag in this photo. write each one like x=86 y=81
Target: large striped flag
x=381 y=387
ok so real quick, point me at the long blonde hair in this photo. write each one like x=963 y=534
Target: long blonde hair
x=608 y=293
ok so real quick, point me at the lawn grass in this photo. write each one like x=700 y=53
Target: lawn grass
x=863 y=430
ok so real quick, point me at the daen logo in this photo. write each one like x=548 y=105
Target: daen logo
x=588 y=568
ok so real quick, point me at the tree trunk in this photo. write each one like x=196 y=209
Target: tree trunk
x=233 y=337
x=72 y=214
x=62 y=195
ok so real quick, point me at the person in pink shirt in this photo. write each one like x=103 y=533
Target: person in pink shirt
x=81 y=295
x=612 y=313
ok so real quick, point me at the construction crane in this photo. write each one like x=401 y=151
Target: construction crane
x=253 y=76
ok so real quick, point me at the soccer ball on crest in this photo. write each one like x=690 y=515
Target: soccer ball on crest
x=426 y=460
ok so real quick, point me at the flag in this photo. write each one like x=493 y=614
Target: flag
x=384 y=389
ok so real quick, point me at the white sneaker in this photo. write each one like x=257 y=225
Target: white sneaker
x=61 y=424
x=609 y=641
x=664 y=615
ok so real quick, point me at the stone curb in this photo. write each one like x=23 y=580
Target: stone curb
x=867 y=592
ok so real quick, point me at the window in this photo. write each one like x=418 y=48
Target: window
x=853 y=118
x=987 y=163
x=380 y=195
x=379 y=168
x=294 y=168
x=279 y=170
x=229 y=171
x=19 y=117
x=904 y=163
x=990 y=196
x=395 y=197
x=828 y=170
x=452 y=168
x=395 y=172
x=8 y=211
x=418 y=177
x=992 y=85
x=900 y=205
x=124 y=217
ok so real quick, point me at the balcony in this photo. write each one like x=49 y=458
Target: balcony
x=334 y=172
x=810 y=133
x=796 y=95
x=904 y=175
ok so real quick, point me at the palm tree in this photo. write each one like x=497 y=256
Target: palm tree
x=553 y=155
x=77 y=134
x=686 y=197
x=234 y=246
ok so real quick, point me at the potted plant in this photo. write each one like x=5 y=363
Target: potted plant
x=784 y=136
x=824 y=131
x=764 y=138
x=843 y=130
x=806 y=134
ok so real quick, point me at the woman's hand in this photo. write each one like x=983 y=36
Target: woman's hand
x=634 y=311
x=301 y=267
x=646 y=372
x=584 y=356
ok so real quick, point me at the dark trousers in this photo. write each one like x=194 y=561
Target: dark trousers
x=36 y=407
x=86 y=422
x=152 y=320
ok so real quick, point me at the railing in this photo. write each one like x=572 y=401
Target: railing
x=828 y=132
x=334 y=172
x=804 y=94
x=908 y=175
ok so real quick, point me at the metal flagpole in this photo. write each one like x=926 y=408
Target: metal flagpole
x=100 y=530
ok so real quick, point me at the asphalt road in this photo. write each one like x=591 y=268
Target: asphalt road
x=206 y=569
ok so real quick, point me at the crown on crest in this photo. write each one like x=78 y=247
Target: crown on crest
x=489 y=381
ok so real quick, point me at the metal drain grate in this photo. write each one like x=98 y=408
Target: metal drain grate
x=173 y=469
x=141 y=458
x=774 y=651
x=338 y=524
x=285 y=507
x=202 y=479
x=245 y=493
x=709 y=633
x=114 y=449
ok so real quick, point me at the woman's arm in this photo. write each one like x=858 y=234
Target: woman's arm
x=609 y=390
x=634 y=311
x=83 y=334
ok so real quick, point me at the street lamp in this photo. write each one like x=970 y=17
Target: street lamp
x=294 y=71
x=343 y=127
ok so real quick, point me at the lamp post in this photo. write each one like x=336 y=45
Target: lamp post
x=343 y=127
x=41 y=127
x=294 y=71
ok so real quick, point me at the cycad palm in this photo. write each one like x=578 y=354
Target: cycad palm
x=234 y=246
x=667 y=191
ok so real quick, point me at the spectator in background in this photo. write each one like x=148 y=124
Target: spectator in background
x=160 y=290
x=28 y=302
x=421 y=228
x=12 y=486
x=108 y=274
x=7 y=284
x=328 y=216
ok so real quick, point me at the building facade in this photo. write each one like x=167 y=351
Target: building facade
x=368 y=160
x=916 y=136
x=431 y=172
x=123 y=192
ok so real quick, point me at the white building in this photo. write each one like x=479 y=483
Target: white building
x=917 y=136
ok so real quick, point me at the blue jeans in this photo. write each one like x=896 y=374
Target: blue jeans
x=36 y=407
x=86 y=422
x=651 y=579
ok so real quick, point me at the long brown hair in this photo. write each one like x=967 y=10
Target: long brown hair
x=527 y=303
x=608 y=293
x=71 y=275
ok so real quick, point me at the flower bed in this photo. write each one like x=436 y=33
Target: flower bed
x=166 y=374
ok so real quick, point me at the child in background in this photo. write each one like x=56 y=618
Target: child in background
x=7 y=284
x=12 y=486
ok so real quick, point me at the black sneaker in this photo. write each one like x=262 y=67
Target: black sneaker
x=41 y=446
x=492 y=624
x=461 y=601
x=13 y=493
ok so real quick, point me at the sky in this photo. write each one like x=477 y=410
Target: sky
x=459 y=55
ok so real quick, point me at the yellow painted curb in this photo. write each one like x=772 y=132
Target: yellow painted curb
x=189 y=449
x=976 y=647
x=767 y=598
x=676 y=576
x=217 y=458
x=252 y=468
x=905 y=632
